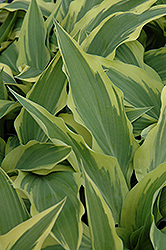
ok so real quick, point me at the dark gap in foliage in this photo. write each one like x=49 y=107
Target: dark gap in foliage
x=9 y=129
x=161 y=223
x=82 y=198
x=133 y=180
x=155 y=37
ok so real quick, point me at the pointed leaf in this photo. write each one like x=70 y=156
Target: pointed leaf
x=152 y=153
x=48 y=190
x=35 y=156
x=104 y=43
x=12 y=209
x=32 y=49
x=102 y=227
x=31 y=233
x=103 y=114
x=52 y=88
x=136 y=211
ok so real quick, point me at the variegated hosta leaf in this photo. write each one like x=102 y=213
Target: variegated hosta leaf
x=46 y=191
x=6 y=107
x=77 y=10
x=101 y=223
x=96 y=103
x=106 y=174
x=46 y=8
x=35 y=156
x=7 y=25
x=94 y=16
x=52 y=88
x=31 y=44
x=133 y=53
x=104 y=43
x=12 y=209
x=58 y=133
x=136 y=212
x=134 y=113
x=9 y=57
x=152 y=153
x=140 y=90
x=31 y=233
x=77 y=128
x=156 y=59
x=158 y=237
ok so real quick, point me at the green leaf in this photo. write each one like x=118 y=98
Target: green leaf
x=140 y=90
x=9 y=56
x=46 y=8
x=12 y=209
x=102 y=227
x=135 y=113
x=96 y=15
x=104 y=43
x=106 y=174
x=2 y=149
x=110 y=129
x=35 y=156
x=157 y=237
x=50 y=189
x=6 y=107
x=156 y=59
x=77 y=128
x=77 y=10
x=152 y=153
x=7 y=25
x=31 y=44
x=31 y=233
x=136 y=211
x=52 y=88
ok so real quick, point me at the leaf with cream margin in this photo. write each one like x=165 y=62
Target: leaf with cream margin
x=77 y=128
x=156 y=59
x=6 y=107
x=77 y=10
x=133 y=53
x=35 y=156
x=102 y=226
x=104 y=43
x=139 y=88
x=50 y=92
x=31 y=233
x=45 y=191
x=45 y=7
x=12 y=209
x=136 y=211
x=106 y=174
x=97 y=14
x=31 y=44
x=96 y=103
x=56 y=130
x=152 y=152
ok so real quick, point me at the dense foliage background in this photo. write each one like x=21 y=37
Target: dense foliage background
x=83 y=124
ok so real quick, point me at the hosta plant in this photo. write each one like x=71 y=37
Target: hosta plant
x=83 y=125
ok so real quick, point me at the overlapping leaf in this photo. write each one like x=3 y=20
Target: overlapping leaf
x=102 y=226
x=35 y=156
x=104 y=43
x=52 y=88
x=49 y=190
x=152 y=153
x=39 y=226
x=12 y=209
x=89 y=96
x=31 y=44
